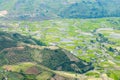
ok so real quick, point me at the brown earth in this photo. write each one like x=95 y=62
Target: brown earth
x=32 y=70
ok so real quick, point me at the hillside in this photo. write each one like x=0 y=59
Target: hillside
x=15 y=49
x=92 y=9
x=52 y=9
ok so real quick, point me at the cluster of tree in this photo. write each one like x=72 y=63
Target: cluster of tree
x=101 y=38
x=91 y=9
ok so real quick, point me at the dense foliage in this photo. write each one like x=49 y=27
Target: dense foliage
x=49 y=9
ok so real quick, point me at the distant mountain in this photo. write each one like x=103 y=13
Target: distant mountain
x=92 y=9
x=49 y=9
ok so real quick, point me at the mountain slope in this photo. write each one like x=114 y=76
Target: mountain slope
x=92 y=9
x=49 y=9
x=52 y=57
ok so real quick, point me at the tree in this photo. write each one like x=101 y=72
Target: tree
x=111 y=49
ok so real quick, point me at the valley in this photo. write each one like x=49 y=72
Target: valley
x=59 y=40
x=92 y=40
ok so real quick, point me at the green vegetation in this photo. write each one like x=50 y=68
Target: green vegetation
x=85 y=42
x=92 y=9
x=44 y=75
x=95 y=74
x=50 y=9
x=59 y=39
x=20 y=59
x=114 y=74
